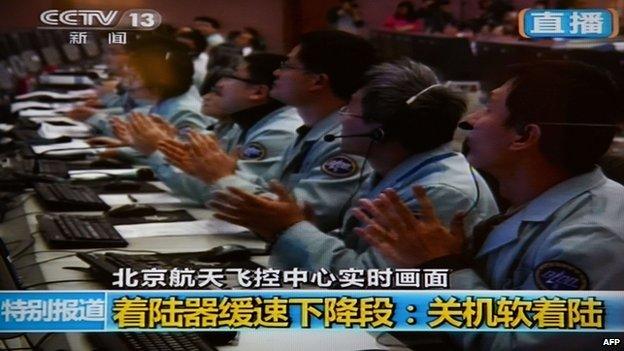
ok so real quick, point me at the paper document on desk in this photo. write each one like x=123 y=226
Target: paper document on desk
x=38 y=113
x=145 y=198
x=72 y=94
x=49 y=131
x=23 y=105
x=91 y=174
x=53 y=79
x=74 y=144
x=201 y=227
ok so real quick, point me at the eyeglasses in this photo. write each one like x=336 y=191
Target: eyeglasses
x=344 y=111
x=246 y=80
x=284 y=65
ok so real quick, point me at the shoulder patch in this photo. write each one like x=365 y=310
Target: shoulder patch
x=340 y=166
x=559 y=275
x=253 y=151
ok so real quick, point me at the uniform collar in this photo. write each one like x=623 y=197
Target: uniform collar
x=171 y=105
x=398 y=174
x=324 y=126
x=248 y=118
x=552 y=199
x=541 y=208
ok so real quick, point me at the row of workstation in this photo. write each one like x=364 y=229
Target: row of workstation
x=36 y=259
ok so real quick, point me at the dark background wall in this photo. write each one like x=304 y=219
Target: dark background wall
x=280 y=21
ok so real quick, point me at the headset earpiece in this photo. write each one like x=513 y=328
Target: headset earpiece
x=378 y=134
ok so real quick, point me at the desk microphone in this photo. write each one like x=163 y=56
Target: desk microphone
x=377 y=134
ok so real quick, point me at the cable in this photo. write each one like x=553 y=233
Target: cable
x=22 y=215
x=36 y=263
x=476 y=183
x=43 y=339
x=15 y=336
x=34 y=347
x=31 y=242
x=13 y=241
x=23 y=201
x=26 y=287
x=347 y=204
x=38 y=252
x=73 y=253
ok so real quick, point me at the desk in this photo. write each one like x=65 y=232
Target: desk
x=262 y=340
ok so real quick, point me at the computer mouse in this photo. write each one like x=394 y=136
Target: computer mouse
x=131 y=210
x=125 y=186
x=225 y=253
x=145 y=174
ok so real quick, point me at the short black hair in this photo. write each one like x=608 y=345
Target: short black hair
x=197 y=38
x=223 y=58
x=262 y=65
x=226 y=55
x=565 y=92
x=215 y=24
x=343 y=57
x=164 y=65
x=405 y=97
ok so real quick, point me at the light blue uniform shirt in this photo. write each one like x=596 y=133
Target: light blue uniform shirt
x=229 y=135
x=445 y=175
x=183 y=111
x=326 y=177
x=261 y=152
x=570 y=237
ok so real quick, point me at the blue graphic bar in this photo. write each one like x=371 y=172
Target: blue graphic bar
x=575 y=23
x=379 y=310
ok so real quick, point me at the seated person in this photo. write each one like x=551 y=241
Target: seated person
x=540 y=136
x=225 y=130
x=438 y=17
x=197 y=48
x=318 y=78
x=111 y=95
x=161 y=70
x=405 y=18
x=405 y=121
x=265 y=129
x=222 y=57
x=209 y=28
x=346 y=17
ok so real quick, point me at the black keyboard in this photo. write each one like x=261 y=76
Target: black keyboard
x=67 y=197
x=79 y=232
x=56 y=168
x=158 y=341
x=31 y=166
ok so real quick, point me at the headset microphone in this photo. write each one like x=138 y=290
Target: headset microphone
x=375 y=135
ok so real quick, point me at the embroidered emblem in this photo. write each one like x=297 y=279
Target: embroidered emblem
x=341 y=166
x=559 y=275
x=253 y=151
